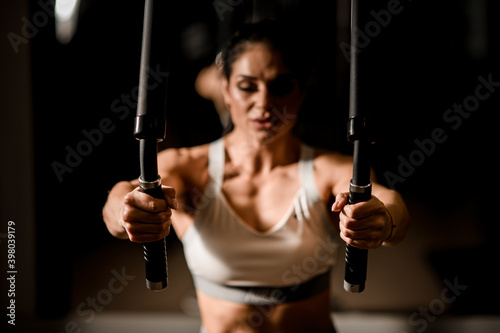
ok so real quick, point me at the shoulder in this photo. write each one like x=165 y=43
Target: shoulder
x=331 y=158
x=333 y=170
x=188 y=165
x=325 y=160
x=183 y=157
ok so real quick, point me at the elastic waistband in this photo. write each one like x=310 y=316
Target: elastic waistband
x=264 y=295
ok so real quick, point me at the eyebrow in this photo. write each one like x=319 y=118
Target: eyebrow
x=242 y=76
x=283 y=75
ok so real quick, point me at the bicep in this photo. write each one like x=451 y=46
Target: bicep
x=169 y=166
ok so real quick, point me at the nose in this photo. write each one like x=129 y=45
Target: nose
x=264 y=100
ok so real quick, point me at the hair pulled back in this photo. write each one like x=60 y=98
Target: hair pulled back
x=280 y=36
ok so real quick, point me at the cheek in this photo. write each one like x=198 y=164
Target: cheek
x=237 y=100
x=238 y=108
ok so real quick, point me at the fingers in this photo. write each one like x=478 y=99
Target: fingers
x=367 y=233
x=146 y=219
x=147 y=232
x=365 y=224
x=169 y=194
x=134 y=214
x=147 y=203
x=341 y=200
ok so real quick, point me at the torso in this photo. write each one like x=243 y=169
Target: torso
x=308 y=316
x=260 y=201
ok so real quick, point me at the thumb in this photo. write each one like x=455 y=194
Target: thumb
x=170 y=196
x=341 y=200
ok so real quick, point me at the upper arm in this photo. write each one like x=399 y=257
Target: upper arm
x=170 y=165
x=185 y=169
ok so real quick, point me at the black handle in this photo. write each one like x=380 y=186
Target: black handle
x=149 y=129
x=360 y=190
x=360 y=134
x=155 y=258
x=155 y=253
x=356 y=260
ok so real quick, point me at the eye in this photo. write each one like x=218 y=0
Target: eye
x=281 y=86
x=247 y=86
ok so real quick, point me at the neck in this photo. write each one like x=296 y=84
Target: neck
x=260 y=157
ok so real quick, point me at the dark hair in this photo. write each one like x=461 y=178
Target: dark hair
x=280 y=35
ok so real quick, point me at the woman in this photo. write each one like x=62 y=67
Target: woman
x=251 y=208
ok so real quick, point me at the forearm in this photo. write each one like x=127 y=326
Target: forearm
x=396 y=207
x=113 y=208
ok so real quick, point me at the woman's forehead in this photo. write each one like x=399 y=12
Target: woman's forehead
x=259 y=60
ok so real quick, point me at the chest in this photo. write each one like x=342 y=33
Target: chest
x=261 y=201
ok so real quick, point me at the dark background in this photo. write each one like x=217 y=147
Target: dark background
x=417 y=67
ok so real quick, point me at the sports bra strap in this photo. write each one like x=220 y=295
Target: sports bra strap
x=216 y=160
x=306 y=172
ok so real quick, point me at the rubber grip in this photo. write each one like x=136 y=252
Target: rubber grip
x=155 y=255
x=356 y=260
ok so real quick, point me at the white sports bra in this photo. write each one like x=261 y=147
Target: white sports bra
x=221 y=250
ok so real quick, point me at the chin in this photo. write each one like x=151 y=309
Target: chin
x=270 y=136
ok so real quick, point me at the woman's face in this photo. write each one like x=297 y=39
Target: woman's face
x=262 y=94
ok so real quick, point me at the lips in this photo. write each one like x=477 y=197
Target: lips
x=264 y=122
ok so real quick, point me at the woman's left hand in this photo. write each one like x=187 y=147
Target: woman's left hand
x=365 y=225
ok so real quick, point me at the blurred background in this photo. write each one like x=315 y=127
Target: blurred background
x=429 y=73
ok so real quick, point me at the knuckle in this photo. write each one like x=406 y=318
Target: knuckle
x=127 y=215
x=126 y=226
x=381 y=222
x=345 y=233
x=156 y=205
x=128 y=197
x=162 y=217
x=164 y=226
x=349 y=210
x=153 y=206
x=357 y=212
x=131 y=229
x=350 y=241
x=133 y=238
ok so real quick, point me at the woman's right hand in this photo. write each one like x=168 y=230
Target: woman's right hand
x=146 y=219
